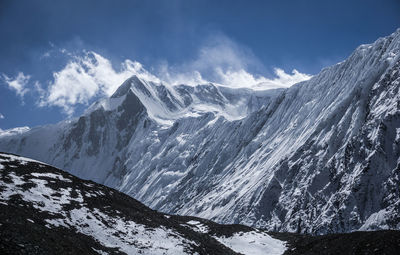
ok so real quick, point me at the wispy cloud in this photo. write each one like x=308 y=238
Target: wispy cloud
x=18 y=83
x=223 y=61
x=242 y=78
x=88 y=75
x=1 y=116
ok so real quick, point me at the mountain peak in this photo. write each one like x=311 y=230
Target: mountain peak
x=166 y=103
x=126 y=86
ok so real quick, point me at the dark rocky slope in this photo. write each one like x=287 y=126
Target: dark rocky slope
x=44 y=210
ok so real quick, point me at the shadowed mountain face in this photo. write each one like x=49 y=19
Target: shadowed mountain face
x=319 y=157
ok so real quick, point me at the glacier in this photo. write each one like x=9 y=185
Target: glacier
x=319 y=157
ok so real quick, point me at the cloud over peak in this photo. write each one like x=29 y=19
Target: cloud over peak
x=88 y=75
x=225 y=62
x=85 y=77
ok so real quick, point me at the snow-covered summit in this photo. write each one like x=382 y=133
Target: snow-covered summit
x=166 y=103
x=13 y=131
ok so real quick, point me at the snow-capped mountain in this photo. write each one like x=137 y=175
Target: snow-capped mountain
x=321 y=156
x=44 y=210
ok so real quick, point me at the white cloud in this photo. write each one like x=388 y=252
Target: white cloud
x=224 y=62
x=90 y=75
x=85 y=77
x=46 y=55
x=1 y=116
x=242 y=78
x=18 y=84
x=221 y=52
x=217 y=55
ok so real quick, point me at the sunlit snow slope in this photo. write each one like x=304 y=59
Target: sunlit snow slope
x=321 y=156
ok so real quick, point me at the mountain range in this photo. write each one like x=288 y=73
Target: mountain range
x=319 y=157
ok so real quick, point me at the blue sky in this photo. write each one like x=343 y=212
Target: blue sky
x=59 y=56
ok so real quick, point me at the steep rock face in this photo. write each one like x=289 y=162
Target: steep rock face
x=321 y=156
x=77 y=144
x=337 y=173
x=346 y=174
x=306 y=172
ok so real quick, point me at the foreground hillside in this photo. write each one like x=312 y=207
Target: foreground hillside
x=44 y=210
x=322 y=156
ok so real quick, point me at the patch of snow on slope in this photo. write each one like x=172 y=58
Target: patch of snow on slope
x=198 y=227
x=253 y=243
x=21 y=160
x=378 y=220
x=108 y=104
x=13 y=131
x=127 y=236
x=51 y=175
x=42 y=197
